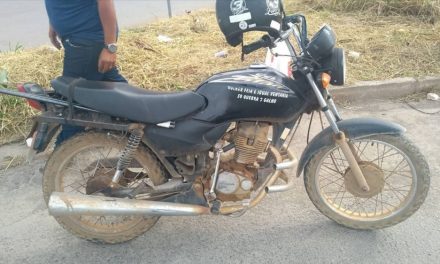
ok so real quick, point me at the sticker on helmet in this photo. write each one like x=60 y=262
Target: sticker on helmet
x=241 y=17
x=238 y=7
x=243 y=25
x=275 y=25
x=273 y=7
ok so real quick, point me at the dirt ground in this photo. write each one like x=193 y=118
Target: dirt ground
x=285 y=228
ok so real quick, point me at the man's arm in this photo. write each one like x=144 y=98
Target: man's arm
x=53 y=36
x=107 y=14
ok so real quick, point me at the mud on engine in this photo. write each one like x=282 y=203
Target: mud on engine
x=238 y=171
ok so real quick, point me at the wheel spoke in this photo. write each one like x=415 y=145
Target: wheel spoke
x=332 y=182
x=383 y=157
x=362 y=151
x=375 y=207
x=395 y=168
x=395 y=192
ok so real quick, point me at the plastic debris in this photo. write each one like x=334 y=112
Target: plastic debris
x=29 y=142
x=353 y=54
x=433 y=97
x=222 y=54
x=163 y=38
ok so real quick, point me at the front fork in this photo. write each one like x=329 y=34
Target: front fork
x=329 y=108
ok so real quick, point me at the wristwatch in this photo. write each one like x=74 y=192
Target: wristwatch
x=112 y=47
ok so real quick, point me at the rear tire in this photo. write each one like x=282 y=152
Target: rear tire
x=59 y=170
x=335 y=205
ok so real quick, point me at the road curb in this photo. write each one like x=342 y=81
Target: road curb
x=388 y=89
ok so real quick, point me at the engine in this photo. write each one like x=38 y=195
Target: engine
x=250 y=141
x=239 y=169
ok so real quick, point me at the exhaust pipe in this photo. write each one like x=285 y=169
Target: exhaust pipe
x=64 y=204
x=292 y=162
x=281 y=188
x=285 y=165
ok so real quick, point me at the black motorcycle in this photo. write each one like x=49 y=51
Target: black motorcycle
x=221 y=148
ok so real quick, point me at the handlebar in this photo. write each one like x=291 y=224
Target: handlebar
x=265 y=42
x=295 y=24
x=299 y=20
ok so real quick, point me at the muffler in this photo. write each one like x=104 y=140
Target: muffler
x=65 y=204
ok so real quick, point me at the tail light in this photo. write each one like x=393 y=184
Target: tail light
x=28 y=88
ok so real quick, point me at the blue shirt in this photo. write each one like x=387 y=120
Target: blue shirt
x=75 y=18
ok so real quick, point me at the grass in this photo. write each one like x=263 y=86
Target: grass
x=428 y=10
x=390 y=47
x=11 y=162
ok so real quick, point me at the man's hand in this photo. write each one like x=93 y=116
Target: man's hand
x=107 y=61
x=53 y=36
x=107 y=14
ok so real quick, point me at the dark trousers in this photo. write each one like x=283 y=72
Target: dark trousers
x=81 y=61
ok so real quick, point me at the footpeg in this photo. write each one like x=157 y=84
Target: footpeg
x=215 y=208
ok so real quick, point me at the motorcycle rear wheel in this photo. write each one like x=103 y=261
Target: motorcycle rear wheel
x=74 y=163
x=396 y=171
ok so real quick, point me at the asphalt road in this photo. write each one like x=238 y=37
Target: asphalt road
x=284 y=228
x=25 y=23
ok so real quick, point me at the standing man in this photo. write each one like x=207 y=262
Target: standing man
x=88 y=31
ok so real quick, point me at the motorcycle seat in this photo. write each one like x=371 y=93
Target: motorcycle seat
x=127 y=101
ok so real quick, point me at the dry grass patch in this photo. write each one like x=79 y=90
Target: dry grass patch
x=428 y=10
x=390 y=47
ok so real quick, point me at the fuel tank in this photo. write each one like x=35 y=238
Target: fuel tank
x=258 y=93
x=255 y=94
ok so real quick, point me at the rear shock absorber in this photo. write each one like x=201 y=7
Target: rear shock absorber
x=136 y=134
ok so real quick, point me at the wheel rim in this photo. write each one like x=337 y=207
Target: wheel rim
x=386 y=200
x=84 y=164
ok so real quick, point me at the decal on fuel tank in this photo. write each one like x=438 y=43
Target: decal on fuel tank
x=258 y=78
x=257 y=95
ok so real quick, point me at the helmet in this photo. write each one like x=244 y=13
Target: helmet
x=238 y=16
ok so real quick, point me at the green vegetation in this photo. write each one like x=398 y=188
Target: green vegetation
x=11 y=109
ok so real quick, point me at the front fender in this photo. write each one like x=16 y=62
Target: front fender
x=356 y=128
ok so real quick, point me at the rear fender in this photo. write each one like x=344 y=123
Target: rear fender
x=42 y=133
x=354 y=129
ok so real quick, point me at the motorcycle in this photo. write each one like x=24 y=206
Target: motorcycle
x=220 y=149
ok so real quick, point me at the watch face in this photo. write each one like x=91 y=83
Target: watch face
x=112 y=48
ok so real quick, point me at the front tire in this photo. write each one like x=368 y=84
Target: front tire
x=74 y=164
x=396 y=171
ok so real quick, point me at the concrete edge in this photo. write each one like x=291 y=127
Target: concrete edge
x=388 y=89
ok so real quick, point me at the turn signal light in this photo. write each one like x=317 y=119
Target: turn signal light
x=326 y=79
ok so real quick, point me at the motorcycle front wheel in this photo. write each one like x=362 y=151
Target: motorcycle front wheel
x=84 y=165
x=395 y=170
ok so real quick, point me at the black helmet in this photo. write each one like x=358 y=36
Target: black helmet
x=238 y=16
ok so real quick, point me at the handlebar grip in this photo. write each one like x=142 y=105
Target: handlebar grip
x=252 y=47
x=264 y=42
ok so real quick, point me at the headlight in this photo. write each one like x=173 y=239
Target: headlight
x=335 y=66
x=322 y=44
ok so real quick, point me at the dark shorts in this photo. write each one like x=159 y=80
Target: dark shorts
x=81 y=58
